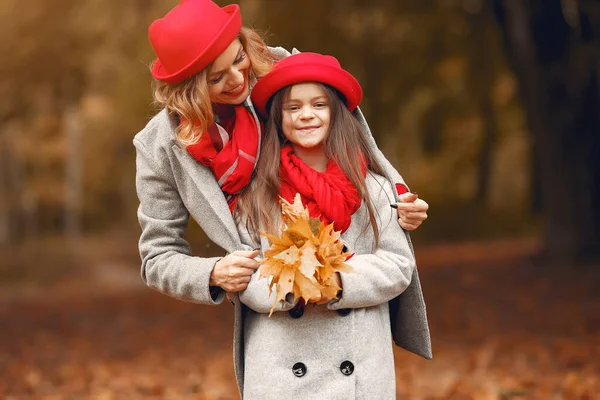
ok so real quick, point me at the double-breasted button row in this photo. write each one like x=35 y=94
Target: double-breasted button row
x=299 y=369
x=298 y=311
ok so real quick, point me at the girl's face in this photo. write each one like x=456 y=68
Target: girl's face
x=228 y=77
x=306 y=116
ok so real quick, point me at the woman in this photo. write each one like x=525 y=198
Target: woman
x=314 y=147
x=199 y=152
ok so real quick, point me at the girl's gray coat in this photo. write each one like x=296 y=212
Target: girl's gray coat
x=172 y=186
x=352 y=331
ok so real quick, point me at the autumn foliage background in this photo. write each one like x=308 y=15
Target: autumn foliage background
x=490 y=110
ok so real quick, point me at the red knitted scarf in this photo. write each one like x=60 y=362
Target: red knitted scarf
x=329 y=195
x=230 y=150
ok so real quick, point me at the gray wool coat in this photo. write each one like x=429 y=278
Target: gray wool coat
x=342 y=350
x=172 y=186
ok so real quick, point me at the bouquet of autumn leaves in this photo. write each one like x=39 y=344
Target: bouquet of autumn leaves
x=305 y=258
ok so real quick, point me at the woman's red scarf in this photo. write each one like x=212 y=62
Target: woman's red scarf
x=329 y=195
x=231 y=150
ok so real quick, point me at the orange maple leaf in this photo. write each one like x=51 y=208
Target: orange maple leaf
x=303 y=261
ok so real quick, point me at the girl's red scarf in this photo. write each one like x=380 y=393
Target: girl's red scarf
x=329 y=195
x=231 y=150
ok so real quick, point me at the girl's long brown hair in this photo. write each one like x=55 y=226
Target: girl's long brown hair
x=189 y=99
x=259 y=201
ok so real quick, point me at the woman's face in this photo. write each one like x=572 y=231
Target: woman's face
x=228 y=77
x=306 y=116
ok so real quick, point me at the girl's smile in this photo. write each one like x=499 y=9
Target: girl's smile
x=309 y=129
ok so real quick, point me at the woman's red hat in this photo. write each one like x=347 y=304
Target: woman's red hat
x=190 y=37
x=306 y=67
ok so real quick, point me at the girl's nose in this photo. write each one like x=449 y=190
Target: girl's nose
x=306 y=112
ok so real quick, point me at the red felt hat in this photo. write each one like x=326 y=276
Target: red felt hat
x=190 y=37
x=306 y=67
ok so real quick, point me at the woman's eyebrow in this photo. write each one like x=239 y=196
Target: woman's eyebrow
x=236 y=57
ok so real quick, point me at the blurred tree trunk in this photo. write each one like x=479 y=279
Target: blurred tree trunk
x=11 y=187
x=482 y=61
x=553 y=48
x=5 y=228
x=74 y=165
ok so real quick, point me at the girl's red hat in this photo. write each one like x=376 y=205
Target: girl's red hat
x=190 y=37
x=306 y=67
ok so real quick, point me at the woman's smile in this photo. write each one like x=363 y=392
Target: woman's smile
x=236 y=91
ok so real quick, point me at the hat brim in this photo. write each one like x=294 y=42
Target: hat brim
x=218 y=45
x=281 y=77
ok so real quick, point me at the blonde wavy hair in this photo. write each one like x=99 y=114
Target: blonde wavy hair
x=189 y=100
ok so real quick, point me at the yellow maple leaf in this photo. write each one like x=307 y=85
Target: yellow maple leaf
x=303 y=261
x=278 y=244
x=307 y=289
x=308 y=260
x=291 y=212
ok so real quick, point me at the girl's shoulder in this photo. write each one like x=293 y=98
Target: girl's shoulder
x=379 y=188
x=375 y=180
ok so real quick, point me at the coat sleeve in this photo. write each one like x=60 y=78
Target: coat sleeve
x=167 y=264
x=258 y=297
x=387 y=272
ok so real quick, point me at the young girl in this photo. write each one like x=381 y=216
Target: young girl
x=314 y=146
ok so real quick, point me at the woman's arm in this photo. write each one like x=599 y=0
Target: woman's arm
x=167 y=264
x=387 y=272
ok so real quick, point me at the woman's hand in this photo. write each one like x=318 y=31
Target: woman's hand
x=232 y=273
x=412 y=211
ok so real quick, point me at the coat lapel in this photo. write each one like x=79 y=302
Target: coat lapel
x=206 y=203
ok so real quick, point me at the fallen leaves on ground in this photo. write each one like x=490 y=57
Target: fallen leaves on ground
x=501 y=330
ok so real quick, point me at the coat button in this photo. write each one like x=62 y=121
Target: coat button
x=298 y=309
x=347 y=368
x=344 y=311
x=299 y=369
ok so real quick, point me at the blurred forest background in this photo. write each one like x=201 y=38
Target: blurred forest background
x=489 y=109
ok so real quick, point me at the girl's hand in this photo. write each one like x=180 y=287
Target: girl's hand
x=232 y=273
x=412 y=211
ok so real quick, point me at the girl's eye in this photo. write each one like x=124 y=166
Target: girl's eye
x=293 y=108
x=320 y=105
